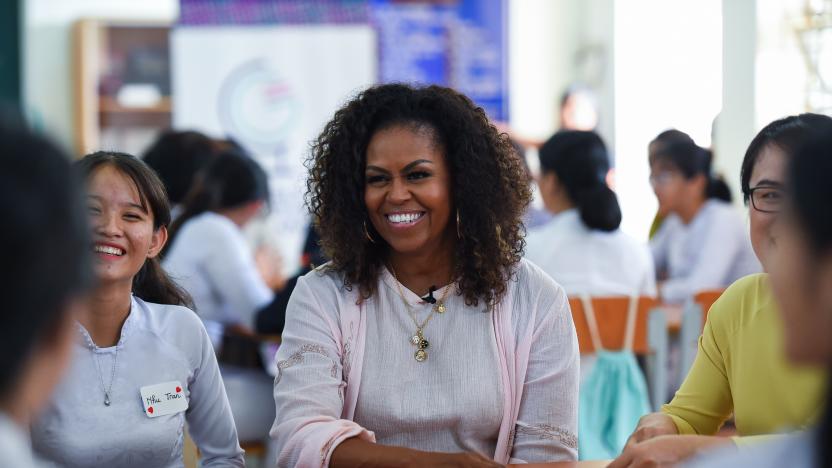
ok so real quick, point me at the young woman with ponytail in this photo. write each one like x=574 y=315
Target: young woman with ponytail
x=703 y=242
x=231 y=286
x=143 y=364
x=582 y=248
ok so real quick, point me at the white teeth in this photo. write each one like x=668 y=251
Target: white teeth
x=109 y=250
x=404 y=217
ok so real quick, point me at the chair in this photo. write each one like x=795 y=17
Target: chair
x=649 y=338
x=693 y=319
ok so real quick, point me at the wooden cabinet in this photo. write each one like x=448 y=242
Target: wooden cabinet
x=122 y=84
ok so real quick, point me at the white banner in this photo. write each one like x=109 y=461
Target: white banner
x=272 y=89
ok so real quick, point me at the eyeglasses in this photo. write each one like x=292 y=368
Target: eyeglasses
x=767 y=199
x=662 y=177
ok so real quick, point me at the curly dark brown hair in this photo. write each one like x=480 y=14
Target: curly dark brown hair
x=489 y=186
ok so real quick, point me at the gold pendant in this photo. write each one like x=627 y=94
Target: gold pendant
x=420 y=355
x=440 y=307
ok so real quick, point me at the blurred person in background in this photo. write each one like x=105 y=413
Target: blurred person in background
x=663 y=140
x=582 y=247
x=135 y=342
x=741 y=368
x=47 y=267
x=702 y=243
x=578 y=108
x=230 y=285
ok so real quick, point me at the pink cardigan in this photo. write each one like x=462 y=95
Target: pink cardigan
x=313 y=439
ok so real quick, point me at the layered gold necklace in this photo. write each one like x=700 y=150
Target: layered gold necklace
x=418 y=339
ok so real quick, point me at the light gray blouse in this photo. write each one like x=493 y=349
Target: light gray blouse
x=158 y=344
x=14 y=445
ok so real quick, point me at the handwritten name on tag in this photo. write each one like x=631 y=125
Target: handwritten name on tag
x=163 y=399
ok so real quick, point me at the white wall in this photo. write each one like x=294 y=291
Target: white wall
x=668 y=73
x=48 y=86
x=551 y=45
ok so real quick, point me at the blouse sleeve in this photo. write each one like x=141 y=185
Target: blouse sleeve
x=210 y=422
x=235 y=277
x=718 y=253
x=309 y=389
x=548 y=420
x=704 y=401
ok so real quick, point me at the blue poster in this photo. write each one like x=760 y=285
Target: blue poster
x=457 y=43
x=460 y=44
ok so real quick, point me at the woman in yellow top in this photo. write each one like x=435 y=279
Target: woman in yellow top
x=741 y=367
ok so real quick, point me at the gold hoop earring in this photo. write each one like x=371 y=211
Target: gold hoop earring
x=367 y=233
x=458 y=233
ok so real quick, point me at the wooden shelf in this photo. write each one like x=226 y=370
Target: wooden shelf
x=109 y=105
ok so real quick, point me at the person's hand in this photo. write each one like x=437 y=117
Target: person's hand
x=651 y=426
x=270 y=265
x=665 y=451
x=458 y=460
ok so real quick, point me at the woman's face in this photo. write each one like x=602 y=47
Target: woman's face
x=802 y=284
x=123 y=234
x=408 y=190
x=768 y=174
x=671 y=187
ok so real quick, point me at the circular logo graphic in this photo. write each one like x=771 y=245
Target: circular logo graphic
x=258 y=106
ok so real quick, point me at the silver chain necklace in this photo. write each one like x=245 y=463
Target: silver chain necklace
x=107 y=389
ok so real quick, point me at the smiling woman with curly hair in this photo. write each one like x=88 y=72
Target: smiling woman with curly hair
x=410 y=188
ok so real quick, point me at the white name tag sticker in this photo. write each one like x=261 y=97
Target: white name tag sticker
x=164 y=398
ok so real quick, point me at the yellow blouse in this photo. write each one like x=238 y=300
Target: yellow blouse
x=741 y=368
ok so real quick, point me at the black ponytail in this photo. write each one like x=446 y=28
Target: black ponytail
x=581 y=162
x=151 y=283
x=718 y=189
x=232 y=179
x=599 y=208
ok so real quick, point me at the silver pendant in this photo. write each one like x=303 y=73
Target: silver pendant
x=106 y=399
x=415 y=340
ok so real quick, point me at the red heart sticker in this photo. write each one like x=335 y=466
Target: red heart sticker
x=150 y=410
x=178 y=389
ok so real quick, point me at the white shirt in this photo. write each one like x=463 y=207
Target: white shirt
x=593 y=262
x=212 y=261
x=461 y=368
x=15 y=450
x=158 y=344
x=797 y=450
x=710 y=252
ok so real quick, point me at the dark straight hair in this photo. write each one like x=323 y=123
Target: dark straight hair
x=788 y=134
x=232 y=179
x=666 y=138
x=151 y=283
x=692 y=160
x=581 y=162
x=47 y=256
x=810 y=194
x=177 y=157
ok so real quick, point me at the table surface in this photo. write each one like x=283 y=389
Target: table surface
x=580 y=464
